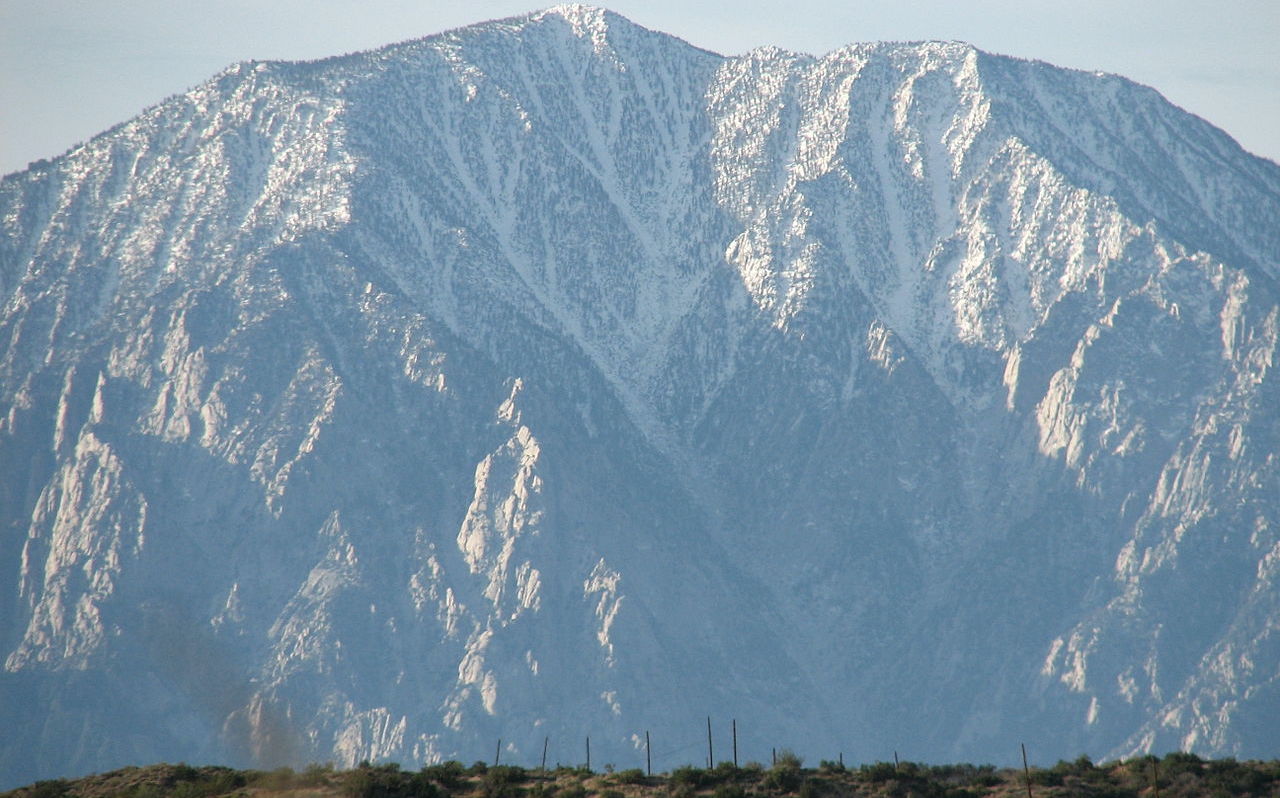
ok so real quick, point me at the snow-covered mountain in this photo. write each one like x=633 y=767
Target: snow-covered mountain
x=553 y=377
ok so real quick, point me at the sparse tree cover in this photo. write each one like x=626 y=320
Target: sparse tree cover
x=1177 y=775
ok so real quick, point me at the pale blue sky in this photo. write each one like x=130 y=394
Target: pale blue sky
x=72 y=68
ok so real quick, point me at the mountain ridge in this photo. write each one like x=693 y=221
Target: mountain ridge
x=498 y=352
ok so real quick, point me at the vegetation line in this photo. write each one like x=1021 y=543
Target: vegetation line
x=1179 y=776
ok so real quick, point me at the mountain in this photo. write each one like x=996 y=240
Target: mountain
x=553 y=377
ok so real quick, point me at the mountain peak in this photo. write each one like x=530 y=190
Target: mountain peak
x=587 y=22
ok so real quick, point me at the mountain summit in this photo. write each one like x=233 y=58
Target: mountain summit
x=553 y=377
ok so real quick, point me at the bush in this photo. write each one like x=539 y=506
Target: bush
x=785 y=775
x=387 y=781
x=52 y=788
x=788 y=759
x=690 y=776
x=447 y=774
x=501 y=781
x=723 y=772
x=316 y=775
x=965 y=775
x=1233 y=778
x=506 y=774
x=630 y=776
x=810 y=788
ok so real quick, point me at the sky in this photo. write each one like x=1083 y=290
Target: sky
x=70 y=69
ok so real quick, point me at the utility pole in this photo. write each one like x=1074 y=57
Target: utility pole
x=545 y=740
x=497 y=752
x=735 y=742
x=1025 y=769
x=648 y=755
x=711 y=760
x=588 y=753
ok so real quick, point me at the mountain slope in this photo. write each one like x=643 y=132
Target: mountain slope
x=553 y=377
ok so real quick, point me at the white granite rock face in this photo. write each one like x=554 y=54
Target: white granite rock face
x=553 y=377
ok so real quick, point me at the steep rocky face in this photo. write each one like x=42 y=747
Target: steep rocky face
x=553 y=377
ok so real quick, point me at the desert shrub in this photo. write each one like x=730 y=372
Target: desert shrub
x=573 y=791
x=965 y=775
x=1047 y=777
x=208 y=782
x=611 y=794
x=387 y=781
x=419 y=786
x=730 y=791
x=315 y=774
x=789 y=759
x=1178 y=763
x=630 y=776
x=724 y=772
x=183 y=772
x=810 y=788
x=507 y=774
x=478 y=768
x=690 y=776
x=447 y=774
x=366 y=781
x=878 y=772
x=501 y=781
x=785 y=775
x=51 y=788
x=1229 y=777
x=278 y=779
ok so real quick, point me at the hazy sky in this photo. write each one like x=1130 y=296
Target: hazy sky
x=72 y=68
